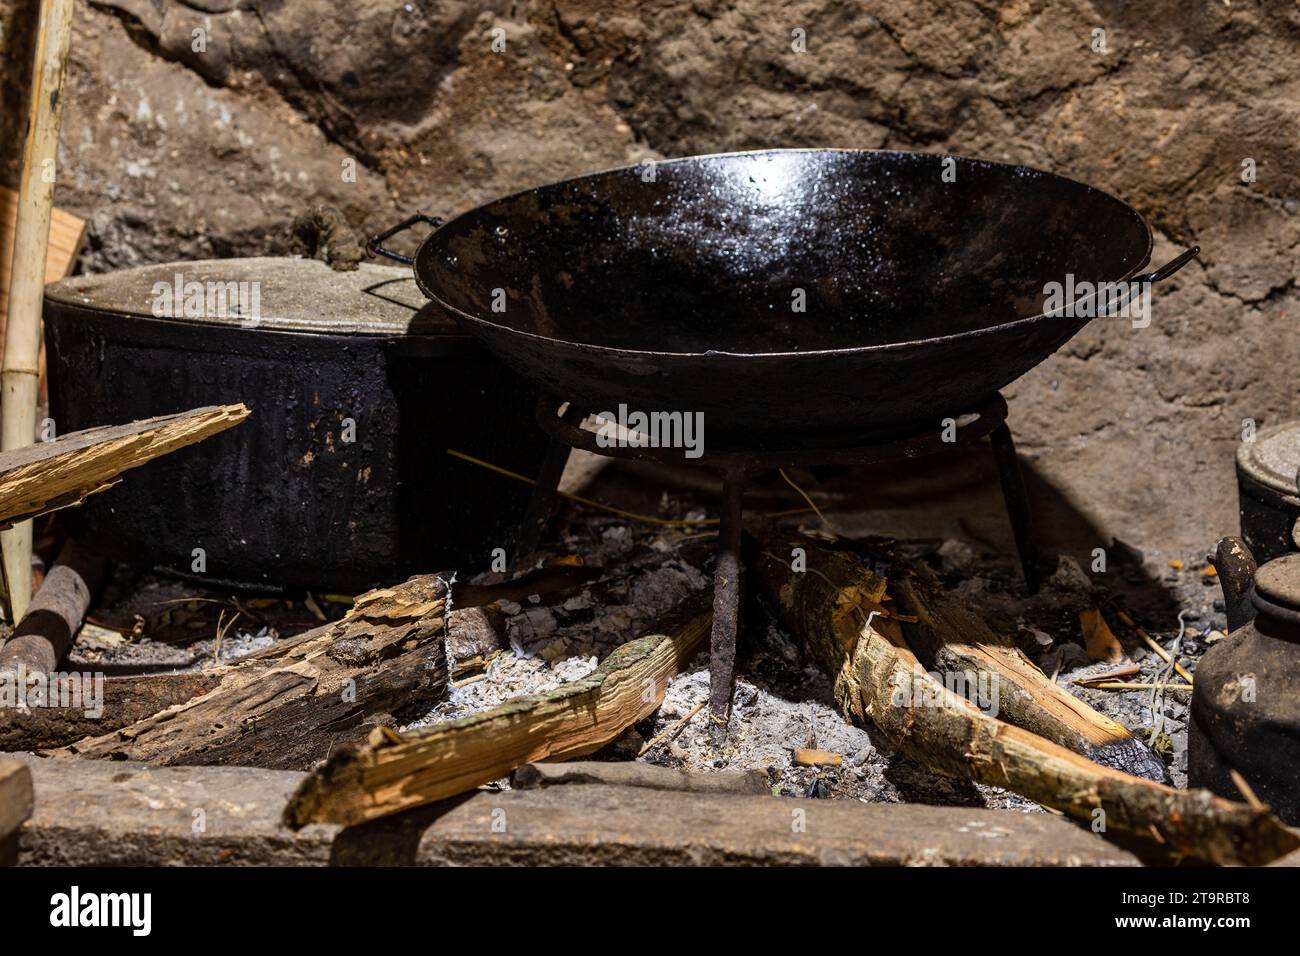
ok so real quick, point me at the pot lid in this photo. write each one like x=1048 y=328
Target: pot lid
x=1273 y=458
x=271 y=292
x=1278 y=581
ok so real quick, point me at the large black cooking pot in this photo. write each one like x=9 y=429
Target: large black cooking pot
x=340 y=478
x=782 y=293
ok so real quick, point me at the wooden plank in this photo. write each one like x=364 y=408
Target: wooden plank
x=393 y=772
x=67 y=237
x=51 y=475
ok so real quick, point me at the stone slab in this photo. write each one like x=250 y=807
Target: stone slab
x=119 y=813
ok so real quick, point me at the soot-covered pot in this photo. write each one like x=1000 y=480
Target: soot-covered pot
x=1267 y=496
x=341 y=477
x=1245 y=707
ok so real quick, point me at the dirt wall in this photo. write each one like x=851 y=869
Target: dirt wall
x=201 y=128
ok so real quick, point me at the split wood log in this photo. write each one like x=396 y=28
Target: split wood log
x=395 y=772
x=45 y=633
x=844 y=613
x=62 y=472
x=292 y=704
x=68 y=716
x=950 y=638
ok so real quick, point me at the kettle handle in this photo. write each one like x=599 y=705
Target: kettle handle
x=375 y=245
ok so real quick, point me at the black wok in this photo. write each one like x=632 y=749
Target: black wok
x=676 y=286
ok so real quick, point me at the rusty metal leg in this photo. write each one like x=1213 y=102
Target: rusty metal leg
x=1013 y=491
x=545 y=491
x=726 y=606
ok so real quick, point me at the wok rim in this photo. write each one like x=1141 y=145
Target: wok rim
x=624 y=353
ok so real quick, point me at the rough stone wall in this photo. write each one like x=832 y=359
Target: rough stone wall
x=174 y=153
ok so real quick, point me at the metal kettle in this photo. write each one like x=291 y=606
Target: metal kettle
x=1245 y=713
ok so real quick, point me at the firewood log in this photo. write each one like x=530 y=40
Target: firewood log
x=949 y=637
x=847 y=617
x=290 y=705
x=393 y=772
x=125 y=701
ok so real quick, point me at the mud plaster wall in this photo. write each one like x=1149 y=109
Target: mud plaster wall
x=172 y=153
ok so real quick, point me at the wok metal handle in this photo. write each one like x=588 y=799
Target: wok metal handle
x=375 y=246
x=1170 y=267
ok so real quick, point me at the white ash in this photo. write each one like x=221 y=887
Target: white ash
x=150 y=655
x=781 y=704
x=957 y=556
x=507 y=677
x=234 y=645
x=764 y=731
x=767 y=727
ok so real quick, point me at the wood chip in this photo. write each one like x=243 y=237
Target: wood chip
x=1100 y=642
x=1130 y=670
x=806 y=757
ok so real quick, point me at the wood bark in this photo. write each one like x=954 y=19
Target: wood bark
x=393 y=772
x=848 y=618
x=125 y=701
x=44 y=635
x=474 y=636
x=292 y=704
x=58 y=473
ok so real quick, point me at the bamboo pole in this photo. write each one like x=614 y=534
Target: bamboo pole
x=20 y=374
